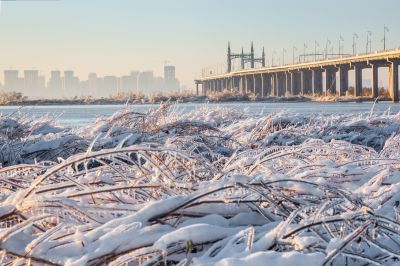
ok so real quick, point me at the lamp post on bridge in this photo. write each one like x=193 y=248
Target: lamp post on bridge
x=326 y=48
x=355 y=37
x=294 y=49
x=304 y=54
x=385 y=29
x=316 y=44
x=340 y=45
x=368 y=44
x=283 y=56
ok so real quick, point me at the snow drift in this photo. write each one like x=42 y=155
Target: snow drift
x=211 y=187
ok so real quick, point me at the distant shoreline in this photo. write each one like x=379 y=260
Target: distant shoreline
x=194 y=99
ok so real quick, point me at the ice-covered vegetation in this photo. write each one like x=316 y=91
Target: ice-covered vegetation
x=210 y=187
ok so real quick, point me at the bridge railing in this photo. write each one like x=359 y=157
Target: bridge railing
x=221 y=68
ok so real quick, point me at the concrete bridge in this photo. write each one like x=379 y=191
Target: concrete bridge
x=307 y=78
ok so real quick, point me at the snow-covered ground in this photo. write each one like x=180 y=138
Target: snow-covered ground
x=216 y=186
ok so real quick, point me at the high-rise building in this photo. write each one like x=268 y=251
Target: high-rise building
x=93 y=84
x=158 y=84
x=31 y=81
x=70 y=82
x=11 y=81
x=110 y=85
x=170 y=81
x=129 y=83
x=146 y=82
x=55 y=82
x=126 y=83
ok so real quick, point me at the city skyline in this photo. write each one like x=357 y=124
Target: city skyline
x=112 y=36
x=33 y=83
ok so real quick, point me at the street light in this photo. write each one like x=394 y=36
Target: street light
x=369 y=33
x=283 y=56
x=385 y=29
x=294 y=49
x=304 y=55
x=326 y=48
x=316 y=44
x=340 y=44
x=355 y=36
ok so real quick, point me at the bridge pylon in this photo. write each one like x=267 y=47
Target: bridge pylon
x=244 y=58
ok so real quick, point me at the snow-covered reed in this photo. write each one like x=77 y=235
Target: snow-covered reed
x=211 y=187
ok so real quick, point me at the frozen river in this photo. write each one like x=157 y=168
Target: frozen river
x=79 y=115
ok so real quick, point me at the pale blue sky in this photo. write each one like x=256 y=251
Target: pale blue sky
x=117 y=36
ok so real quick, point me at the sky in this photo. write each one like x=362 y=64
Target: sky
x=118 y=36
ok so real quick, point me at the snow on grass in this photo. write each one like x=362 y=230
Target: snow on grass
x=210 y=187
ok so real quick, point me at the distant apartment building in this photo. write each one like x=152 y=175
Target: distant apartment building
x=93 y=84
x=11 y=81
x=71 y=83
x=111 y=85
x=170 y=81
x=146 y=82
x=31 y=81
x=158 y=85
x=55 y=82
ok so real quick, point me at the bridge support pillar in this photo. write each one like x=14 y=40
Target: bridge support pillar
x=344 y=80
x=394 y=81
x=258 y=81
x=274 y=84
x=330 y=80
x=279 y=83
x=292 y=83
x=262 y=85
x=317 y=80
x=306 y=82
x=268 y=85
x=358 y=80
x=244 y=84
x=374 y=81
x=284 y=83
x=288 y=78
x=297 y=84
x=254 y=85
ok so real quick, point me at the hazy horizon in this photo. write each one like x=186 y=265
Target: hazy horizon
x=116 y=37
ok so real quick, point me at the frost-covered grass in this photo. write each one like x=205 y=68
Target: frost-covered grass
x=211 y=187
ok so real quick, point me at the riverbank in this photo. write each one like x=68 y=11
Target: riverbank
x=191 y=99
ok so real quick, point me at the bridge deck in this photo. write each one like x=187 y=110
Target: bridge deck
x=333 y=62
